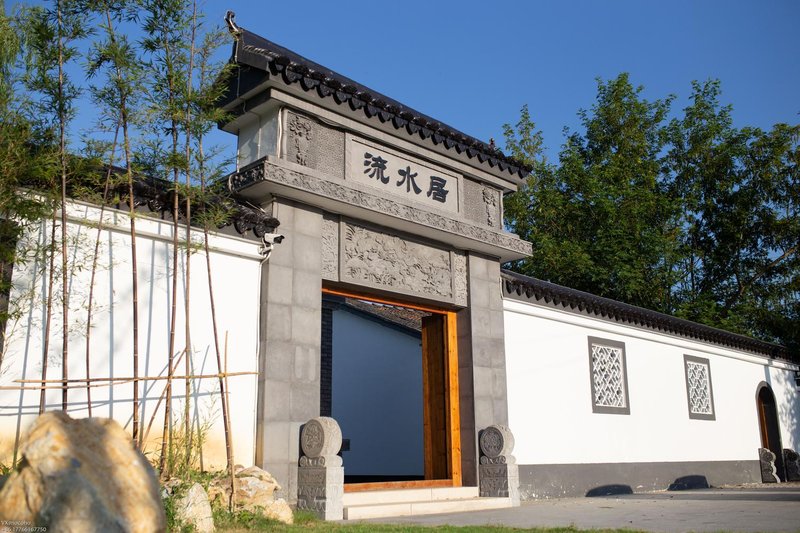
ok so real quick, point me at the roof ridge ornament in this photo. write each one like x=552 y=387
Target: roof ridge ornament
x=230 y=17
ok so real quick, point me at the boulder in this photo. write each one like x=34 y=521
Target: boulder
x=255 y=491
x=192 y=508
x=278 y=510
x=82 y=475
x=254 y=487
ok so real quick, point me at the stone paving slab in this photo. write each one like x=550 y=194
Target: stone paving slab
x=757 y=508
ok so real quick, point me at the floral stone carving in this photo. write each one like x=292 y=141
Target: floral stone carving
x=496 y=440
x=302 y=132
x=321 y=437
x=378 y=259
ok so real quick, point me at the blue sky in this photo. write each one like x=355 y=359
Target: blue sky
x=473 y=64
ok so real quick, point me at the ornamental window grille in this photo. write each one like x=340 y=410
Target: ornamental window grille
x=609 y=376
x=699 y=393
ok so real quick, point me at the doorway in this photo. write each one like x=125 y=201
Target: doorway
x=390 y=379
x=769 y=426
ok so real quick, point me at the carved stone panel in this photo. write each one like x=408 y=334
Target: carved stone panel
x=373 y=258
x=769 y=473
x=330 y=247
x=460 y=291
x=320 y=476
x=482 y=204
x=791 y=462
x=498 y=470
x=321 y=437
x=496 y=440
x=313 y=145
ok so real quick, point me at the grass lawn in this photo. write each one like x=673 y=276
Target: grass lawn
x=386 y=528
x=304 y=522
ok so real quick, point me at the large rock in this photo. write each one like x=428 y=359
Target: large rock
x=192 y=508
x=255 y=489
x=278 y=510
x=82 y=476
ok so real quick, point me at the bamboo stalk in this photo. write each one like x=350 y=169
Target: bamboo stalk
x=226 y=400
x=94 y=269
x=166 y=435
x=63 y=164
x=49 y=311
x=223 y=384
x=124 y=120
x=187 y=299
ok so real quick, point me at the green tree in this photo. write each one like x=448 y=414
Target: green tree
x=739 y=195
x=600 y=220
x=693 y=216
x=27 y=161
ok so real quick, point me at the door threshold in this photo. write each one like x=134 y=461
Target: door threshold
x=398 y=485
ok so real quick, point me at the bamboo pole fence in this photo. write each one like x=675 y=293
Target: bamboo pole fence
x=26 y=384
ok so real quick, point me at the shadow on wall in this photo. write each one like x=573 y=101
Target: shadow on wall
x=609 y=490
x=787 y=403
x=689 y=483
x=789 y=409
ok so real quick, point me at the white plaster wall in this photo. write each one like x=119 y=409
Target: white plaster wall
x=377 y=396
x=235 y=274
x=550 y=404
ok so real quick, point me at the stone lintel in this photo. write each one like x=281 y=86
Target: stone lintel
x=273 y=176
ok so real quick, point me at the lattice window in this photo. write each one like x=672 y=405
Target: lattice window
x=698 y=388
x=609 y=376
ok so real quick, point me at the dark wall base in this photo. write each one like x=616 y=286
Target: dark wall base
x=600 y=479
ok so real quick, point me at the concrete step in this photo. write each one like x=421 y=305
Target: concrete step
x=369 y=497
x=413 y=502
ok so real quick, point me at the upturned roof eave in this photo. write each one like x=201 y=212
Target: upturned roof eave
x=276 y=62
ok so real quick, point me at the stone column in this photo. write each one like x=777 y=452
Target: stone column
x=289 y=350
x=499 y=473
x=482 y=361
x=320 y=478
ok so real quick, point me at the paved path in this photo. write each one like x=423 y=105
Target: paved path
x=747 y=509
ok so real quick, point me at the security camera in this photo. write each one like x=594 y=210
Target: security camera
x=272 y=238
x=268 y=242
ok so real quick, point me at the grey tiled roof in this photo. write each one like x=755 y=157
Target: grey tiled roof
x=274 y=60
x=524 y=288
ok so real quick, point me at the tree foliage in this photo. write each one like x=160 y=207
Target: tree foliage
x=690 y=216
x=148 y=68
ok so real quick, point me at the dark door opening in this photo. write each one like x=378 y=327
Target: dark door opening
x=769 y=426
x=386 y=380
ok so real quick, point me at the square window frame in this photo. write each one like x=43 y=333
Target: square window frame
x=605 y=409
x=701 y=361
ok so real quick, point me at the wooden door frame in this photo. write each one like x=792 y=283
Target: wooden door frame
x=452 y=397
